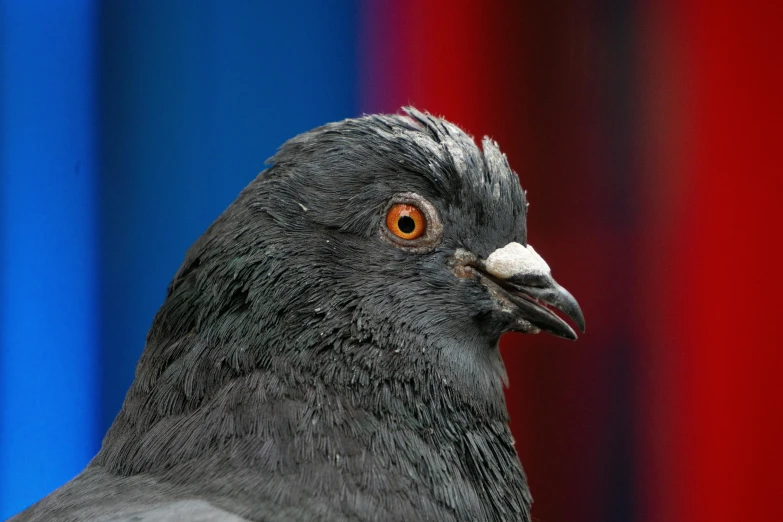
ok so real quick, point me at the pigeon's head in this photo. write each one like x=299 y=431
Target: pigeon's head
x=389 y=241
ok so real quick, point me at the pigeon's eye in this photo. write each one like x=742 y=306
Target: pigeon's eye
x=406 y=221
x=412 y=223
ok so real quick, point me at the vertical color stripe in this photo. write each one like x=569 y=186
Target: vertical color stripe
x=711 y=448
x=48 y=264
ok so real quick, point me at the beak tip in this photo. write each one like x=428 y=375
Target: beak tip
x=568 y=304
x=566 y=332
x=581 y=324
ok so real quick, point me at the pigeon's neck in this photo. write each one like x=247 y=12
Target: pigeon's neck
x=373 y=446
x=354 y=431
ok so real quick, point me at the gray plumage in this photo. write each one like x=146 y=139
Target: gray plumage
x=306 y=367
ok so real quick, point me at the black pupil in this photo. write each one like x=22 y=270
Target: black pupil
x=406 y=224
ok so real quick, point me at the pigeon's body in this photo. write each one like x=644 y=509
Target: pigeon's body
x=309 y=365
x=97 y=494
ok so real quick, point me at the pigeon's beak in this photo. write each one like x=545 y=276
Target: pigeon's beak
x=520 y=276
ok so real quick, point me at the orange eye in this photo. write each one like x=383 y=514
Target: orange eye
x=406 y=221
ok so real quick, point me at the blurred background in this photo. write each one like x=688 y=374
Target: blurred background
x=648 y=136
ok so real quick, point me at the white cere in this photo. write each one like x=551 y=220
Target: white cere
x=515 y=259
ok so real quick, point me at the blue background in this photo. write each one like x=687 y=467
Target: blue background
x=125 y=129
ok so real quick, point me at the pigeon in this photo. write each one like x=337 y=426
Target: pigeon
x=328 y=349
